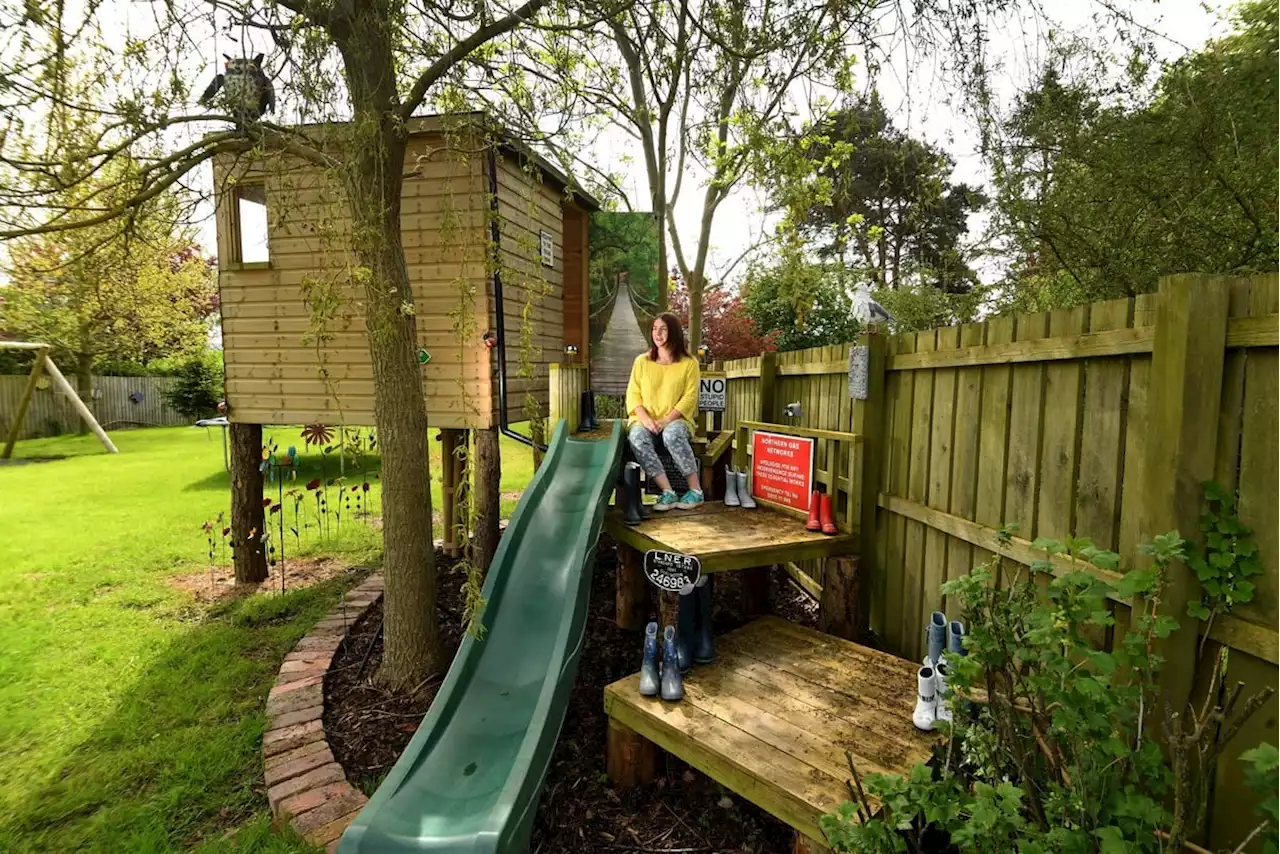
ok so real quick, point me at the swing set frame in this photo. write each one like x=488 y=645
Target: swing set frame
x=44 y=365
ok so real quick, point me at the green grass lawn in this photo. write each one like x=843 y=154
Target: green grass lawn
x=130 y=713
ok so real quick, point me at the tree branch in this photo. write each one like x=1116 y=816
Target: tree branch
x=460 y=50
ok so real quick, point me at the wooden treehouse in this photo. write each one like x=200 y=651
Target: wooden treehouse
x=296 y=347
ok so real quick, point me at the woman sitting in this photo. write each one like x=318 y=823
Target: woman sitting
x=662 y=399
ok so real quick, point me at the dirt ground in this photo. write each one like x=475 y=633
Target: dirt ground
x=220 y=583
x=683 y=811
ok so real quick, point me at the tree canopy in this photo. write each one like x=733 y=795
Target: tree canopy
x=1103 y=185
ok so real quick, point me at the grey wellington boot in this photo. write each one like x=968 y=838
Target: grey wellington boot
x=649 y=667
x=936 y=637
x=730 y=488
x=672 y=684
x=744 y=492
x=704 y=648
x=686 y=624
x=955 y=638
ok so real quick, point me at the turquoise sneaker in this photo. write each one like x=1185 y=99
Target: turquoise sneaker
x=689 y=500
x=665 y=501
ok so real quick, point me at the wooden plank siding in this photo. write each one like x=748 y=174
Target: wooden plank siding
x=275 y=375
x=1044 y=420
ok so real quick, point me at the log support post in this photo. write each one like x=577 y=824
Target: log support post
x=840 y=612
x=632 y=596
x=632 y=758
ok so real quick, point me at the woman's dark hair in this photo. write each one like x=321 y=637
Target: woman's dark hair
x=675 y=338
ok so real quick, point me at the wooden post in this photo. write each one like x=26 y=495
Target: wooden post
x=20 y=416
x=1186 y=382
x=461 y=492
x=768 y=383
x=805 y=845
x=868 y=421
x=631 y=759
x=248 y=520
x=566 y=383
x=449 y=486
x=755 y=591
x=79 y=404
x=488 y=480
x=839 y=610
x=631 y=600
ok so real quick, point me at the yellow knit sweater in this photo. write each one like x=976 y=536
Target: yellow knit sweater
x=661 y=388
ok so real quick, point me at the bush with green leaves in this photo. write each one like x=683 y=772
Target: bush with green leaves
x=198 y=387
x=1227 y=558
x=1053 y=746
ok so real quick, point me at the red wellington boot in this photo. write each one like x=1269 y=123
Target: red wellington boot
x=828 y=518
x=815 y=504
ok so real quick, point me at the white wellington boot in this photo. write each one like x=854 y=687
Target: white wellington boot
x=926 y=699
x=940 y=691
x=730 y=488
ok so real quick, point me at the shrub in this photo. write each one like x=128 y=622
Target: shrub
x=197 y=389
x=1053 y=743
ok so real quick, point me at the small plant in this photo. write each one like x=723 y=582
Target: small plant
x=197 y=390
x=1228 y=557
x=1051 y=746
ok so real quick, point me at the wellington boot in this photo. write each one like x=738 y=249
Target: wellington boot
x=731 y=488
x=704 y=647
x=649 y=665
x=672 y=683
x=686 y=624
x=826 y=516
x=815 y=507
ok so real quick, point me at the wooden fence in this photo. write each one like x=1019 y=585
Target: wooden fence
x=118 y=403
x=1100 y=421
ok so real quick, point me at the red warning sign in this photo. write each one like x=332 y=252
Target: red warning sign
x=782 y=469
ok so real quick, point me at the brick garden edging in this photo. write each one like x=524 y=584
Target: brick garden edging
x=306 y=786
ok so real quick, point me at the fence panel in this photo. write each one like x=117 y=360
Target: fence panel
x=117 y=402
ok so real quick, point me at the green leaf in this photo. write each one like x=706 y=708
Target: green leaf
x=1112 y=839
x=1197 y=610
x=1135 y=583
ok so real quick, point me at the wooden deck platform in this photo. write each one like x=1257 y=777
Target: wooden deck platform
x=771 y=718
x=727 y=538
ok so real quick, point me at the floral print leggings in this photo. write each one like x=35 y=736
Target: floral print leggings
x=676 y=438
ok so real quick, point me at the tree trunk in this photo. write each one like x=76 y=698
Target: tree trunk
x=374 y=169
x=84 y=386
x=487 y=496
x=248 y=520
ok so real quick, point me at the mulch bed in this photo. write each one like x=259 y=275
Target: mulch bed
x=368 y=728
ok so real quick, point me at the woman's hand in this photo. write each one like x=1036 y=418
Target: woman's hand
x=647 y=420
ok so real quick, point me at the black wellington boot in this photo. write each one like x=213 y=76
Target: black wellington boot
x=704 y=648
x=587 y=412
x=686 y=625
x=627 y=495
x=637 y=494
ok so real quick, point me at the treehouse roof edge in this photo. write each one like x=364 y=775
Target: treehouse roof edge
x=508 y=142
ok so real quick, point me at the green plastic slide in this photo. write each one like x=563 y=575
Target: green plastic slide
x=470 y=779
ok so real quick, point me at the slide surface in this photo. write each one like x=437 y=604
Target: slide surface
x=470 y=779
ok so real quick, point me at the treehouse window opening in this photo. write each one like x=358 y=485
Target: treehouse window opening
x=251 y=224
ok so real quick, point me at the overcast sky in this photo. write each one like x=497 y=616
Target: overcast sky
x=917 y=97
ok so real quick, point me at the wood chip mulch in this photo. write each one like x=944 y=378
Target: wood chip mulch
x=682 y=811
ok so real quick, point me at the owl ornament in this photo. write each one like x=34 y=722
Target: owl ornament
x=247 y=94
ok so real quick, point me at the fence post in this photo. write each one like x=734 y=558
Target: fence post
x=1186 y=383
x=768 y=381
x=868 y=422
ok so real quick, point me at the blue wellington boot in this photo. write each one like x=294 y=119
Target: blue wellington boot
x=672 y=683
x=686 y=627
x=704 y=648
x=936 y=637
x=649 y=667
x=955 y=638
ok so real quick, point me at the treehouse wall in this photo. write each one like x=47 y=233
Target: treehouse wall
x=279 y=370
x=533 y=292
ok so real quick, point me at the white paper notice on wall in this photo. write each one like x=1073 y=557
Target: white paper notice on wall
x=859 y=357
x=548 y=249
